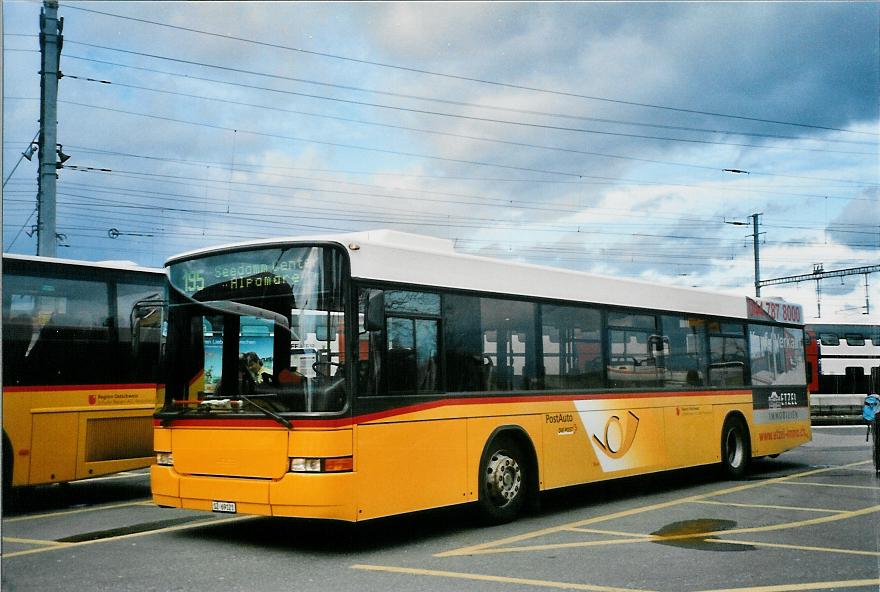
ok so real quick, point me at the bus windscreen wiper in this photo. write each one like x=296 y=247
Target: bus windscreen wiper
x=265 y=411
x=201 y=405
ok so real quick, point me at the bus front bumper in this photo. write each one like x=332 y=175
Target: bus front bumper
x=297 y=495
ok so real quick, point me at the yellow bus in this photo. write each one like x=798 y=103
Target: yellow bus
x=439 y=378
x=80 y=368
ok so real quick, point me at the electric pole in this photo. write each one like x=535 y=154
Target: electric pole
x=755 y=236
x=755 y=233
x=50 y=71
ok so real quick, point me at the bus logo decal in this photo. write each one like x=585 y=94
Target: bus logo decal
x=617 y=442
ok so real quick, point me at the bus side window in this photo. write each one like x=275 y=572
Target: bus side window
x=67 y=353
x=686 y=357
x=143 y=332
x=412 y=355
x=401 y=355
x=17 y=334
x=571 y=347
x=727 y=361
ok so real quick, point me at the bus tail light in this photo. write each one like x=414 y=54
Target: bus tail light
x=322 y=465
x=166 y=459
x=339 y=465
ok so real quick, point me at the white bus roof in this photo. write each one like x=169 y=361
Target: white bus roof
x=118 y=265
x=393 y=256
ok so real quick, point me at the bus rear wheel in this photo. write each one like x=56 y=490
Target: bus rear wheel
x=7 y=466
x=735 y=448
x=503 y=481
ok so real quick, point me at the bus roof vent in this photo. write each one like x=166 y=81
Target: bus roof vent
x=406 y=240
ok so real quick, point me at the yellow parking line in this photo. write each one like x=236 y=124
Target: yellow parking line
x=608 y=532
x=641 y=538
x=132 y=535
x=834 y=485
x=497 y=579
x=804 y=586
x=35 y=542
x=763 y=506
x=488 y=547
x=78 y=511
x=795 y=547
x=798 y=524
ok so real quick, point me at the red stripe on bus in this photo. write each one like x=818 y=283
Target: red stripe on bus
x=537 y=399
x=76 y=387
x=345 y=421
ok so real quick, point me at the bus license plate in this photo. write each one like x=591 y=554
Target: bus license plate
x=227 y=507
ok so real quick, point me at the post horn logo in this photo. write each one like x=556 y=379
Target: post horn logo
x=617 y=442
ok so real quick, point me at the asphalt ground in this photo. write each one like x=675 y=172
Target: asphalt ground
x=808 y=520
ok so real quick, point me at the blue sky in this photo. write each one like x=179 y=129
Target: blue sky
x=586 y=136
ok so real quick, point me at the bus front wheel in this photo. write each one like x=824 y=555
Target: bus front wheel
x=7 y=465
x=503 y=481
x=735 y=448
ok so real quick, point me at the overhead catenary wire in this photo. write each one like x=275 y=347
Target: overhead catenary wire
x=459 y=77
x=402 y=95
x=380 y=173
x=514 y=123
x=179 y=178
x=515 y=202
x=482 y=138
x=484 y=201
x=298 y=211
x=405 y=153
x=261 y=224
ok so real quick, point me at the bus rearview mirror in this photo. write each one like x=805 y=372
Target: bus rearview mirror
x=374 y=317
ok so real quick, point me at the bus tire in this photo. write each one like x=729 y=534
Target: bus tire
x=503 y=481
x=735 y=447
x=8 y=459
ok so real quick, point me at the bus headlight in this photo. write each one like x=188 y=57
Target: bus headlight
x=166 y=459
x=322 y=465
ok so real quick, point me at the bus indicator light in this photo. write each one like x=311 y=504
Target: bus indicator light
x=338 y=465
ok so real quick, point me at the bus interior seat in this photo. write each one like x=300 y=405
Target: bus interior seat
x=401 y=370
x=693 y=378
x=293 y=387
x=487 y=369
x=427 y=375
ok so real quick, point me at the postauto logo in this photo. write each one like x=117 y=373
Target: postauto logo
x=617 y=439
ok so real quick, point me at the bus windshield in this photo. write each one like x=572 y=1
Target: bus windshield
x=257 y=331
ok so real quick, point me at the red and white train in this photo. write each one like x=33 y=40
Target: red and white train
x=844 y=365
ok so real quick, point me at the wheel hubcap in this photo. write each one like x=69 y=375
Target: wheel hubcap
x=503 y=478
